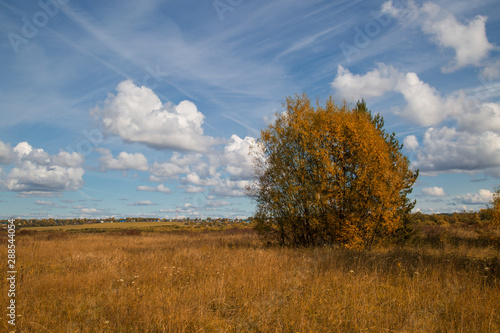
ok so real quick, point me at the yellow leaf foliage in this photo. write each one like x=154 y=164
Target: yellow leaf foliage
x=495 y=218
x=330 y=175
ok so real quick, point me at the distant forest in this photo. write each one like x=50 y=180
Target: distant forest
x=483 y=217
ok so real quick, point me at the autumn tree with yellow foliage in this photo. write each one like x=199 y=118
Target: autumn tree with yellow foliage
x=330 y=175
x=495 y=208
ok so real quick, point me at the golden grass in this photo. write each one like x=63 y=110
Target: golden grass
x=227 y=281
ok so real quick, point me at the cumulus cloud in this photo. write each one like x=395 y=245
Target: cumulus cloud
x=411 y=142
x=195 y=179
x=424 y=105
x=160 y=188
x=124 y=161
x=40 y=174
x=447 y=149
x=478 y=117
x=23 y=148
x=44 y=203
x=193 y=189
x=7 y=154
x=236 y=157
x=90 y=211
x=230 y=188
x=177 y=165
x=481 y=197
x=142 y=203
x=225 y=172
x=434 y=191
x=468 y=40
x=136 y=114
x=218 y=184
x=68 y=160
x=374 y=83
x=473 y=144
x=491 y=71
x=163 y=171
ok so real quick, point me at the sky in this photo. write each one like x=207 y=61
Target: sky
x=148 y=108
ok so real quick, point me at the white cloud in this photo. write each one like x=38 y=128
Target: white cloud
x=195 y=179
x=160 y=188
x=177 y=165
x=491 y=71
x=372 y=84
x=411 y=142
x=142 y=203
x=44 y=203
x=474 y=145
x=481 y=197
x=468 y=40
x=230 y=188
x=23 y=148
x=68 y=160
x=236 y=158
x=424 y=105
x=185 y=160
x=163 y=171
x=32 y=179
x=38 y=173
x=447 y=149
x=478 y=117
x=434 y=191
x=224 y=173
x=7 y=154
x=193 y=189
x=124 y=161
x=136 y=114
x=90 y=211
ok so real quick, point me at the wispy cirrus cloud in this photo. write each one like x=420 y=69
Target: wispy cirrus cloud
x=468 y=40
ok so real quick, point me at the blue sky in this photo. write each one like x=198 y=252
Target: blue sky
x=128 y=108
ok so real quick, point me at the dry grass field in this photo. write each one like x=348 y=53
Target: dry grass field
x=228 y=281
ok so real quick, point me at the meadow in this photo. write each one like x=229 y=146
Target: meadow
x=446 y=280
